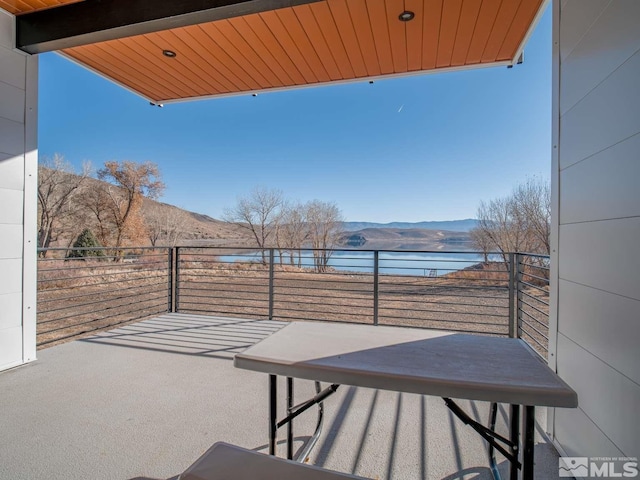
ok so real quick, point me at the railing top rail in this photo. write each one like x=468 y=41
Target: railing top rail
x=358 y=250
x=66 y=249
x=536 y=255
x=287 y=249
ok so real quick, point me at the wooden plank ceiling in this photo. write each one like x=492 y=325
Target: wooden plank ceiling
x=26 y=6
x=331 y=40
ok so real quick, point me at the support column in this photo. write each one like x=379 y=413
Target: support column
x=18 y=200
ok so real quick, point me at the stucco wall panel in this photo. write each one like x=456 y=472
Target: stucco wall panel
x=603 y=186
x=602 y=255
x=18 y=199
x=12 y=71
x=10 y=347
x=578 y=16
x=610 y=42
x=595 y=290
x=11 y=236
x=608 y=398
x=11 y=137
x=12 y=105
x=12 y=206
x=6 y=30
x=10 y=314
x=606 y=116
x=11 y=278
x=578 y=435
x=11 y=172
x=603 y=323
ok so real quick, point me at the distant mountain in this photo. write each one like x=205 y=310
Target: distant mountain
x=450 y=225
x=406 y=239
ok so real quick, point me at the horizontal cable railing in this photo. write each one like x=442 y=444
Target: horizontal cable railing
x=452 y=290
x=85 y=290
x=225 y=283
x=506 y=295
x=448 y=291
x=533 y=301
x=307 y=289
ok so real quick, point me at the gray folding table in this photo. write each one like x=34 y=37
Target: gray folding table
x=429 y=362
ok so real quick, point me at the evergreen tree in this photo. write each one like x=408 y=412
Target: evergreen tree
x=86 y=240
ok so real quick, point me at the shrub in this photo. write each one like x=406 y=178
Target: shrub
x=86 y=240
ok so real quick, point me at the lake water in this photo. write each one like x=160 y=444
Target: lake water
x=389 y=263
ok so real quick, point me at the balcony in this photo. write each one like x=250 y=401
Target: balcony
x=147 y=384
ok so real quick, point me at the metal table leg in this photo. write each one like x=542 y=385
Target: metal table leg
x=292 y=412
x=503 y=445
x=290 y=424
x=493 y=465
x=514 y=418
x=273 y=412
x=529 y=434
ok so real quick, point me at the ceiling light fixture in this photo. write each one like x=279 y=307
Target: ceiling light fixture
x=169 y=53
x=406 y=16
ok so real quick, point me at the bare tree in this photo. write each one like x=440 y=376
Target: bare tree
x=272 y=221
x=165 y=223
x=98 y=205
x=258 y=213
x=534 y=201
x=292 y=232
x=118 y=206
x=517 y=223
x=325 y=224
x=498 y=226
x=58 y=184
x=481 y=240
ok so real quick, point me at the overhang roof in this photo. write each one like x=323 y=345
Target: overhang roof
x=309 y=43
x=25 y=6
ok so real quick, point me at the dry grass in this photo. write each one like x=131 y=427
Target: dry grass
x=474 y=304
x=79 y=297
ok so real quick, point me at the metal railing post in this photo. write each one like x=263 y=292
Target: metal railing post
x=170 y=279
x=519 y=268
x=271 y=275
x=176 y=279
x=376 y=284
x=513 y=329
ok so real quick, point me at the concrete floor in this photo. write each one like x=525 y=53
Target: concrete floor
x=145 y=400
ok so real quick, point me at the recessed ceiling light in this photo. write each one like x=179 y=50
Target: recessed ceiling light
x=169 y=53
x=406 y=16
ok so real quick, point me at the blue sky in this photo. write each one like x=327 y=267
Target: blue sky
x=426 y=147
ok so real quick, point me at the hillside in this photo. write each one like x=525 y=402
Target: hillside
x=194 y=228
x=406 y=239
x=197 y=229
x=200 y=229
x=450 y=225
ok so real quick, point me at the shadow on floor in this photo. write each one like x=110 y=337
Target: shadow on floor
x=184 y=334
x=428 y=449
x=149 y=478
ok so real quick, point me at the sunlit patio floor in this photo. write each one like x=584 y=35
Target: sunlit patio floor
x=145 y=400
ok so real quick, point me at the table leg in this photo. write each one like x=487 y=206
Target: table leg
x=493 y=414
x=273 y=411
x=290 y=424
x=515 y=439
x=529 y=435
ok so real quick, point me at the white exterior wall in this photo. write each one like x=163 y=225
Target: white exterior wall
x=18 y=184
x=596 y=234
